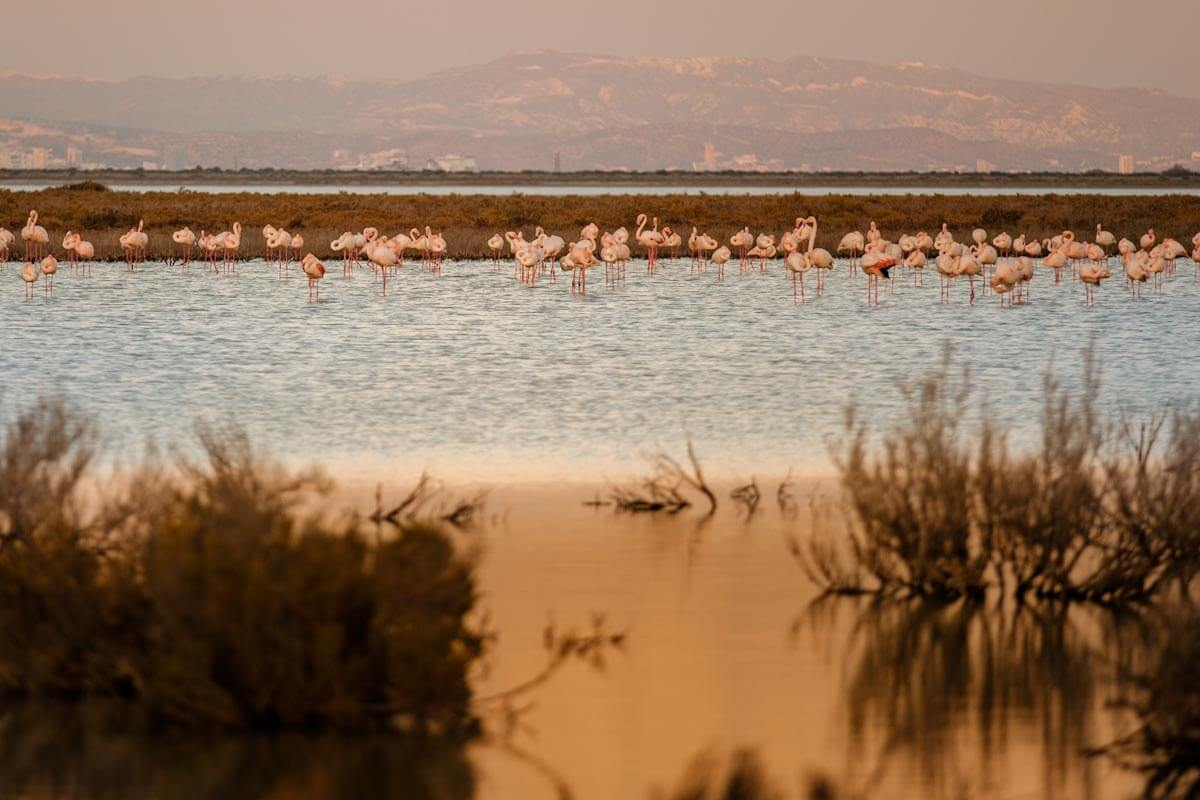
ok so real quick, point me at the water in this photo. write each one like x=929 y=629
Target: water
x=591 y=190
x=477 y=376
x=726 y=649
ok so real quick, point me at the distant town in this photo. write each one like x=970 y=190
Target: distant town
x=13 y=157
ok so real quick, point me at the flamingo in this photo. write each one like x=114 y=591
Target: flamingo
x=1135 y=272
x=916 y=261
x=651 y=240
x=764 y=248
x=1004 y=279
x=280 y=243
x=436 y=244
x=1156 y=265
x=1004 y=243
x=68 y=244
x=947 y=266
x=379 y=254
x=133 y=243
x=344 y=244
x=1056 y=260
x=1148 y=239
x=186 y=241
x=79 y=250
x=798 y=264
x=696 y=248
x=972 y=267
x=1105 y=239
x=6 y=242
x=268 y=231
x=30 y=276
x=315 y=271
x=232 y=242
x=1092 y=276
x=210 y=245
x=875 y=265
x=1024 y=269
x=49 y=268
x=742 y=241
x=671 y=241
x=297 y=245
x=35 y=237
x=496 y=246
x=719 y=258
x=852 y=245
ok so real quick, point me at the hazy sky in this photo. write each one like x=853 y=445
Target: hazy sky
x=1148 y=43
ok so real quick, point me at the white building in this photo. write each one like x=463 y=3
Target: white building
x=452 y=162
x=1125 y=165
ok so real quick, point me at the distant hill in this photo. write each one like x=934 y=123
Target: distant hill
x=601 y=112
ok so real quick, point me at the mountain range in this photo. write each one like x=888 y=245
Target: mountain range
x=599 y=112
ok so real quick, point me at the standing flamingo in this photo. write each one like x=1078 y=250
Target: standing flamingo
x=315 y=271
x=1092 y=276
x=186 y=241
x=49 y=268
x=30 y=276
x=496 y=246
x=6 y=242
x=719 y=258
x=651 y=240
x=35 y=237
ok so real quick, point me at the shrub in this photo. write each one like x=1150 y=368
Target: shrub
x=209 y=597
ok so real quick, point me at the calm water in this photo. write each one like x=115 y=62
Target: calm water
x=589 y=190
x=726 y=650
x=479 y=377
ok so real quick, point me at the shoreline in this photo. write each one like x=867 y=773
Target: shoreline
x=663 y=178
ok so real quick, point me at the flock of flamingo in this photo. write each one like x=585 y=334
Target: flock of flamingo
x=1005 y=266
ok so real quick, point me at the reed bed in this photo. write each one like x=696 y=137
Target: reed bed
x=468 y=220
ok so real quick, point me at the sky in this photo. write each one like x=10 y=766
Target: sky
x=1145 y=43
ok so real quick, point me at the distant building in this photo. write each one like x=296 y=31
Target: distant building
x=38 y=158
x=983 y=165
x=74 y=156
x=1125 y=165
x=1196 y=155
x=557 y=161
x=452 y=162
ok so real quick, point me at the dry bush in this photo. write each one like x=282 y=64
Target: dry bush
x=213 y=601
x=1099 y=513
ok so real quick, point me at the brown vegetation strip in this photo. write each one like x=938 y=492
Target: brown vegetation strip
x=468 y=220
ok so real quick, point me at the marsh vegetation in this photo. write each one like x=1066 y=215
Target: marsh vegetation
x=468 y=220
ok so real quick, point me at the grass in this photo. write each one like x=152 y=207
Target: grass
x=468 y=220
x=1103 y=512
x=205 y=595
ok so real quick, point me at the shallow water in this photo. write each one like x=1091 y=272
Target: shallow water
x=726 y=649
x=477 y=376
x=590 y=190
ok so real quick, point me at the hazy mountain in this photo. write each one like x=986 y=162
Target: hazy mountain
x=638 y=113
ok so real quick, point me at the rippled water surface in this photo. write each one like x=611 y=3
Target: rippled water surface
x=470 y=372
